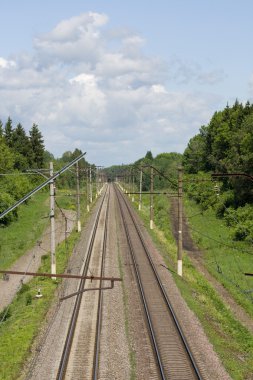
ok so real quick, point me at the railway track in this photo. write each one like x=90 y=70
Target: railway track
x=172 y=353
x=99 y=346
x=80 y=356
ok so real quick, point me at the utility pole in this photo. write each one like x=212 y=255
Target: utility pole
x=180 y=223
x=151 y=198
x=133 y=186
x=97 y=190
x=28 y=195
x=140 y=196
x=78 y=199
x=87 y=189
x=128 y=183
x=125 y=184
x=52 y=220
x=90 y=186
x=49 y=181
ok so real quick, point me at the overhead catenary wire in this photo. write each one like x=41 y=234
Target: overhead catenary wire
x=235 y=261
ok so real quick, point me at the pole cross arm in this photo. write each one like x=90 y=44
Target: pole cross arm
x=49 y=180
x=250 y=177
x=154 y=193
x=64 y=275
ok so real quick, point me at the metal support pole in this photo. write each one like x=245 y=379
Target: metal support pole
x=97 y=191
x=52 y=221
x=180 y=223
x=151 y=198
x=140 y=196
x=132 y=186
x=78 y=199
x=66 y=233
x=27 y=196
x=87 y=189
x=90 y=186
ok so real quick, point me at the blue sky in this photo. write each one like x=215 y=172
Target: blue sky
x=126 y=78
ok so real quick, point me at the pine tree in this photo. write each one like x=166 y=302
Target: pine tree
x=20 y=141
x=8 y=131
x=149 y=155
x=22 y=147
x=37 y=145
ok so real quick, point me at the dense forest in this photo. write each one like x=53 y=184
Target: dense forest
x=19 y=154
x=225 y=146
x=166 y=163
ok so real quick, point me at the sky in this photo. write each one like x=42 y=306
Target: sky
x=117 y=79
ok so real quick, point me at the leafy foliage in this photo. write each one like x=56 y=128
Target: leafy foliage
x=165 y=163
x=225 y=145
x=17 y=153
x=37 y=147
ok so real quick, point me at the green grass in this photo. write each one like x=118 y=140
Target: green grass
x=225 y=259
x=66 y=199
x=232 y=342
x=23 y=233
x=26 y=315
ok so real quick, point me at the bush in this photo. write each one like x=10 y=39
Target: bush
x=6 y=201
x=241 y=222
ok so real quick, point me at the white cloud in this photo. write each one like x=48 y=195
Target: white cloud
x=159 y=89
x=5 y=64
x=91 y=87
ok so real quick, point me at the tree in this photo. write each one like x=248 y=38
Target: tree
x=37 y=145
x=22 y=146
x=8 y=131
x=149 y=155
x=193 y=155
x=7 y=157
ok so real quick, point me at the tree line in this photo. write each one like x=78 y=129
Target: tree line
x=23 y=151
x=20 y=152
x=166 y=163
x=224 y=145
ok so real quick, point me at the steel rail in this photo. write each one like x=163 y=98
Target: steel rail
x=151 y=329
x=100 y=299
x=164 y=294
x=72 y=325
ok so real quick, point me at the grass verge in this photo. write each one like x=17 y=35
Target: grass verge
x=225 y=259
x=232 y=342
x=23 y=233
x=26 y=313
